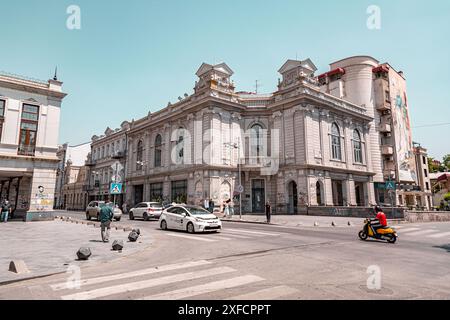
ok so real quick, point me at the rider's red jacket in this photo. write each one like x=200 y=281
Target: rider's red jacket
x=382 y=218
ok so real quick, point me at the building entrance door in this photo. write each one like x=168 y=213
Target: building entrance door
x=293 y=199
x=258 y=195
x=138 y=194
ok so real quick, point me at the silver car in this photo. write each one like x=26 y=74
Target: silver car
x=93 y=210
x=146 y=211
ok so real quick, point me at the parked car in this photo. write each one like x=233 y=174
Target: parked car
x=146 y=211
x=93 y=210
x=189 y=218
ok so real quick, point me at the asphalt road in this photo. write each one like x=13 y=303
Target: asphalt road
x=255 y=261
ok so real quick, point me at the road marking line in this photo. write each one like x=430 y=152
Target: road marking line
x=199 y=238
x=409 y=229
x=169 y=267
x=138 y=285
x=253 y=232
x=222 y=238
x=439 y=235
x=419 y=233
x=266 y=294
x=236 y=235
x=205 y=288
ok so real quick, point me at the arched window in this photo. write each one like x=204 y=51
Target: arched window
x=335 y=142
x=158 y=150
x=319 y=194
x=139 y=154
x=357 y=147
x=256 y=141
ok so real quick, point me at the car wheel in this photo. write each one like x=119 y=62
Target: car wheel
x=190 y=228
x=88 y=217
x=145 y=217
x=131 y=215
x=163 y=225
x=118 y=219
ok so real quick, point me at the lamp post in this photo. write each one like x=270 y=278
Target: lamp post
x=237 y=146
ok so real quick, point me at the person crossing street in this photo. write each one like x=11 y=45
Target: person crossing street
x=106 y=216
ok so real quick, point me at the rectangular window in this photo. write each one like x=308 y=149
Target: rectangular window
x=424 y=159
x=2 y=116
x=425 y=172
x=28 y=130
x=428 y=185
x=156 y=192
x=179 y=191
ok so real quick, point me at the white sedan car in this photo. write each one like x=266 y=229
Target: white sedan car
x=189 y=218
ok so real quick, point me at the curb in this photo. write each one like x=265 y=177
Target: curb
x=91 y=223
x=247 y=221
x=7 y=282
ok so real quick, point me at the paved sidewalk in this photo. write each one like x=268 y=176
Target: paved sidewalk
x=50 y=247
x=302 y=221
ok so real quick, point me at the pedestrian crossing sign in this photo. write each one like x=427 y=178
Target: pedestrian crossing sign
x=116 y=188
x=390 y=185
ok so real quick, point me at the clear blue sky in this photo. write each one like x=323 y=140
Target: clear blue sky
x=131 y=57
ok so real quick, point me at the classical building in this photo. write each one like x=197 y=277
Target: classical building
x=108 y=153
x=29 y=130
x=298 y=147
x=71 y=160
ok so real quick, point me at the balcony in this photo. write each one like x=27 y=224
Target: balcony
x=384 y=105
x=118 y=155
x=90 y=163
x=387 y=150
x=384 y=127
x=26 y=150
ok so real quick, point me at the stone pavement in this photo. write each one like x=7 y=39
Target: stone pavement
x=50 y=247
x=302 y=221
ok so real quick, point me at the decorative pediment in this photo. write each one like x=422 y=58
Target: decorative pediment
x=125 y=125
x=293 y=64
x=222 y=67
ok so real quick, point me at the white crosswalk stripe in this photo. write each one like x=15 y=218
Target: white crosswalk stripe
x=198 y=237
x=205 y=288
x=439 y=235
x=266 y=294
x=209 y=277
x=148 y=271
x=139 y=285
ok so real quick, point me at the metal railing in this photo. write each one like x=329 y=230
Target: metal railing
x=26 y=150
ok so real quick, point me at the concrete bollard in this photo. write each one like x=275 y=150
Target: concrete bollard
x=333 y=224
x=18 y=266
x=349 y=224
x=316 y=224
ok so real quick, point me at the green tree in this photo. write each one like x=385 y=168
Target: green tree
x=446 y=161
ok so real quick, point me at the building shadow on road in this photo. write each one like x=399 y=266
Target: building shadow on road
x=444 y=247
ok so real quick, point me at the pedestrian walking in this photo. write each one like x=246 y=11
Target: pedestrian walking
x=106 y=217
x=211 y=205
x=125 y=208
x=5 y=210
x=230 y=207
x=268 y=211
x=226 y=209
x=206 y=204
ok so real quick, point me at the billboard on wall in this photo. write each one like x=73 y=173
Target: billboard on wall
x=402 y=128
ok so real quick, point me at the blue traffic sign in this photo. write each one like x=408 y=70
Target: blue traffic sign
x=116 y=188
x=390 y=185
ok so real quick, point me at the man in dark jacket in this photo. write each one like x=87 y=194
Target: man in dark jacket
x=106 y=216
x=5 y=211
x=268 y=211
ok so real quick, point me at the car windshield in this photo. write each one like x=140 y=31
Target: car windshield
x=197 y=211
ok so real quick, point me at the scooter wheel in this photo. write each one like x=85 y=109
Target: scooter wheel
x=362 y=235
x=393 y=239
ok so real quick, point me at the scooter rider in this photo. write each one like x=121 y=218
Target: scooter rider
x=380 y=220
